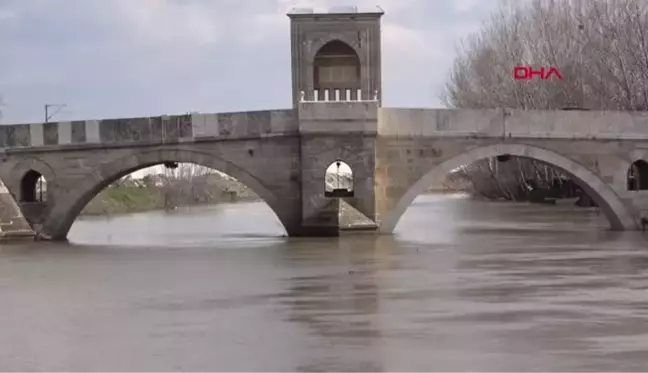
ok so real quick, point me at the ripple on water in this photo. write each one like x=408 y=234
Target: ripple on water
x=462 y=285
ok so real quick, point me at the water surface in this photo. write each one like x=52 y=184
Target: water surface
x=462 y=285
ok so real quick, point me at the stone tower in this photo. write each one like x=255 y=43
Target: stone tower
x=335 y=53
x=336 y=79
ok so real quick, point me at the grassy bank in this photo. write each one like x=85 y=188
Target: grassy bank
x=125 y=199
x=129 y=199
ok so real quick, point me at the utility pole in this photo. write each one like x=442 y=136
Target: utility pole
x=48 y=116
x=581 y=31
x=58 y=108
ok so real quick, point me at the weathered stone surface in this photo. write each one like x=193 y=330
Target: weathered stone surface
x=156 y=129
x=185 y=129
x=170 y=130
x=258 y=122
x=3 y=135
x=50 y=133
x=78 y=132
x=107 y=130
x=17 y=135
x=225 y=124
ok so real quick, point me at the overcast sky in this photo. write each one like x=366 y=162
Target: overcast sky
x=121 y=58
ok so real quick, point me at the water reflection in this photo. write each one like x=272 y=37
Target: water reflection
x=462 y=285
x=340 y=308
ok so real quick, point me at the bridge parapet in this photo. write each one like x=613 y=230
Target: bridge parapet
x=338 y=117
x=558 y=124
x=538 y=124
x=149 y=130
x=338 y=95
x=401 y=122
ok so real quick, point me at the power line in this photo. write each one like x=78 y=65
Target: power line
x=58 y=108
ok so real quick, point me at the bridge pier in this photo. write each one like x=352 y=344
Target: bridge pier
x=330 y=132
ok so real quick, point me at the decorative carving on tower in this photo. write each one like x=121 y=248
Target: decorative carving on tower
x=336 y=54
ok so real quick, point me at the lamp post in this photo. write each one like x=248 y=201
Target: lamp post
x=338 y=173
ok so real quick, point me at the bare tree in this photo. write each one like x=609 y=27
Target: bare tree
x=599 y=46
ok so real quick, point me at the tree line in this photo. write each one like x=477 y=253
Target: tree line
x=600 y=48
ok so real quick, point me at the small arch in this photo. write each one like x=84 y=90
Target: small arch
x=338 y=180
x=336 y=67
x=637 y=178
x=33 y=187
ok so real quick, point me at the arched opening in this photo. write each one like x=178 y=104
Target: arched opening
x=637 y=178
x=602 y=195
x=338 y=180
x=336 y=72
x=120 y=180
x=33 y=187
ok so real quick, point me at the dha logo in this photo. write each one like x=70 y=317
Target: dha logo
x=528 y=73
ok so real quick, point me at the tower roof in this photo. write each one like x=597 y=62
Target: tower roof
x=340 y=10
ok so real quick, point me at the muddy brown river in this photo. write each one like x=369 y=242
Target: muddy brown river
x=462 y=286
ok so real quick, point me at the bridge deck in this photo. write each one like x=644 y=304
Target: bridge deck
x=603 y=125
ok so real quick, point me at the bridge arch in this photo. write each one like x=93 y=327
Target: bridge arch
x=33 y=187
x=69 y=206
x=616 y=211
x=317 y=45
x=22 y=175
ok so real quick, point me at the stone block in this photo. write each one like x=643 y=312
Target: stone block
x=123 y=130
x=170 y=131
x=338 y=111
x=17 y=135
x=92 y=131
x=239 y=123
x=64 y=133
x=144 y=129
x=36 y=134
x=258 y=122
x=225 y=124
x=107 y=130
x=211 y=125
x=185 y=129
x=78 y=132
x=156 y=129
x=50 y=133
x=283 y=121
x=3 y=136
x=204 y=125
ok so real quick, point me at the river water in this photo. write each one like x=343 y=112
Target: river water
x=462 y=285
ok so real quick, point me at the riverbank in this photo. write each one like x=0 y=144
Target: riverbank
x=131 y=199
x=125 y=199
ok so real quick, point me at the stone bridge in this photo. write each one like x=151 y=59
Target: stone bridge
x=282 y=155
x=337 y=115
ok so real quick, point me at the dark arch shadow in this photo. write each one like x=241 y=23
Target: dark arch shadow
x=32 y=187
x=637 y=177
x=69 y=206
x=615 y=210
